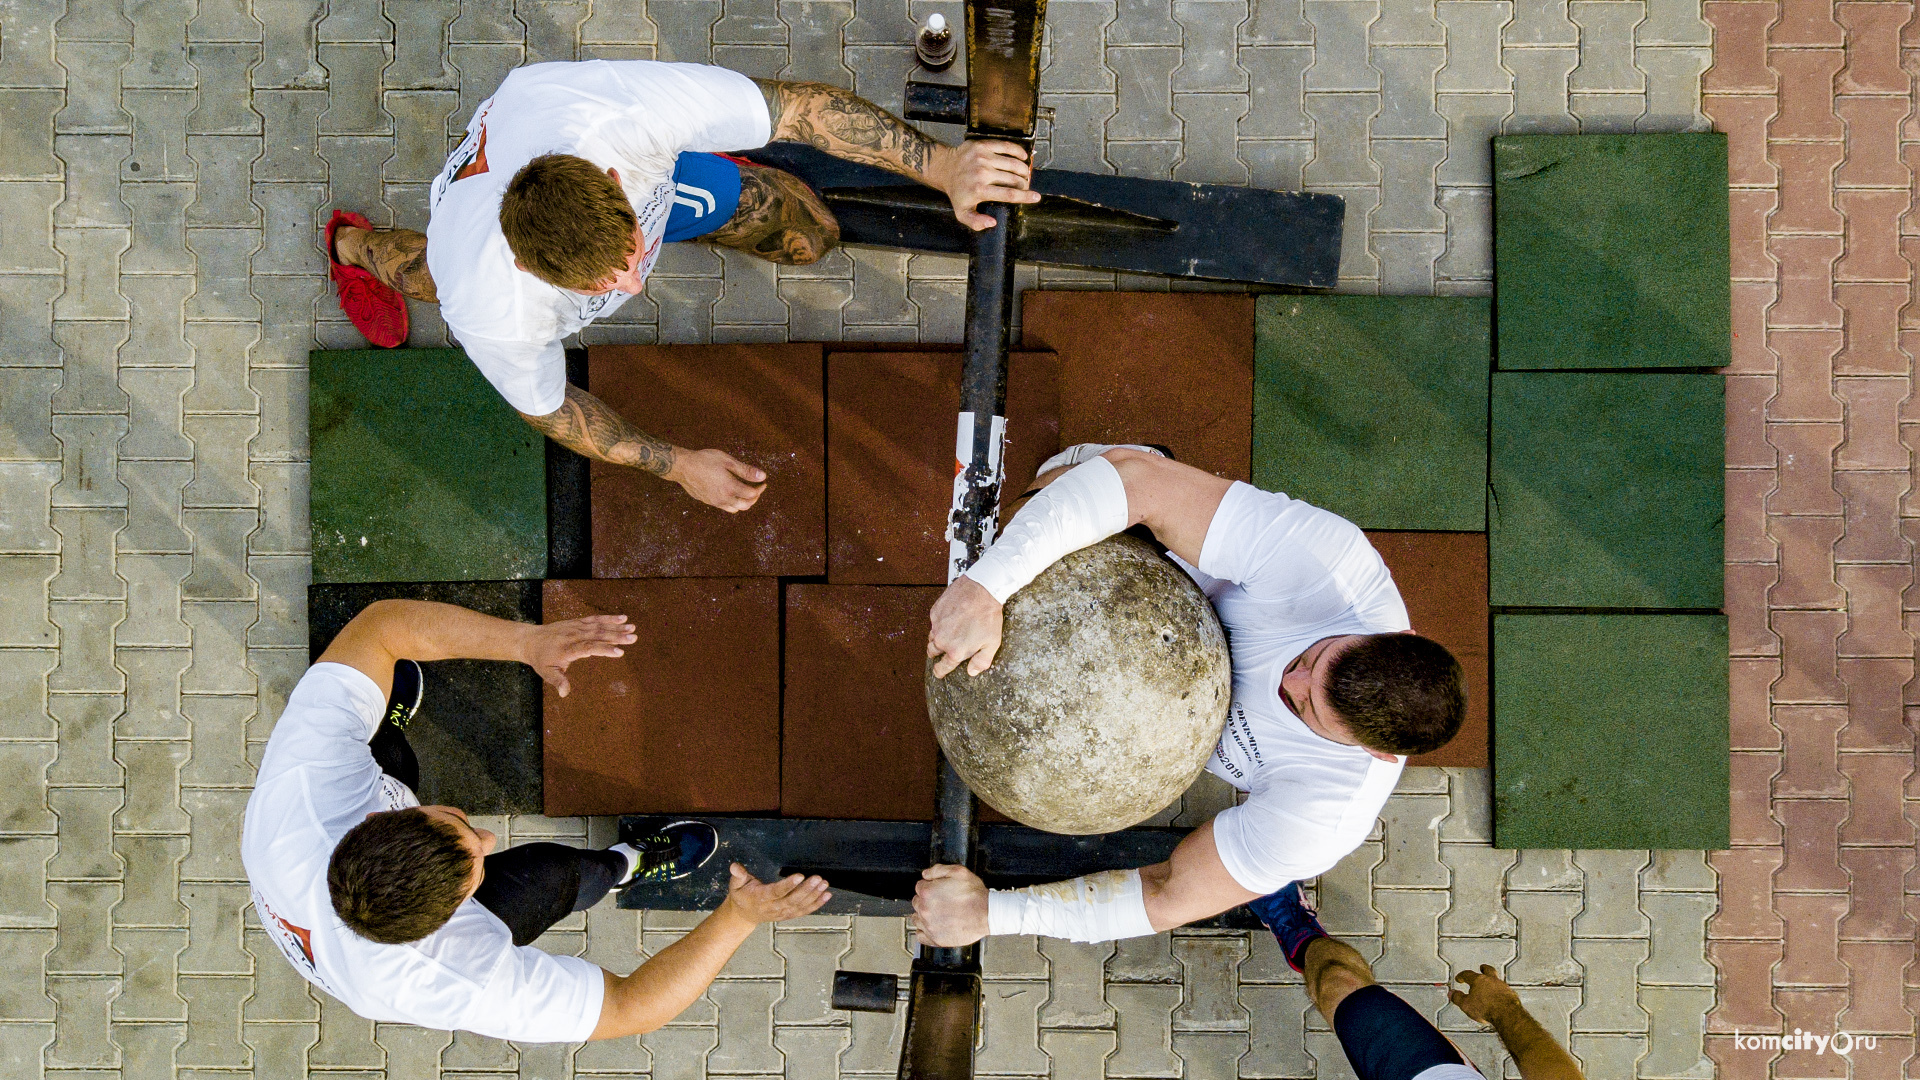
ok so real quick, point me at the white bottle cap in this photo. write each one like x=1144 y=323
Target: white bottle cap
x=936 y=22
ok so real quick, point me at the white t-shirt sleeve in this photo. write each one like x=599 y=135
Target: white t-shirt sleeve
x=685 y=107
x=1276 y=547
x=329 y=717
x=530 y=375
x=1264 y=846
x=535 y=996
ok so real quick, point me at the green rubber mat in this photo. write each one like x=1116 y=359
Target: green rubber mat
x=1610 y=251
x=1374 y=407
x=421 y=472
x=1607 y=490
x=1610 y=731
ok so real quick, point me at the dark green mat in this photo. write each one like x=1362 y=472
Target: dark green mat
x=1374 y=407
x=421 y=472
x=1610 y=251
x=1607 y=490
x=1610 y=731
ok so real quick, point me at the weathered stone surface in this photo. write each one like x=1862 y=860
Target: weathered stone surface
x=1107 y=694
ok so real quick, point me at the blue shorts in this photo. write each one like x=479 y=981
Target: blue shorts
x=706 y=193
x=1387 y=1039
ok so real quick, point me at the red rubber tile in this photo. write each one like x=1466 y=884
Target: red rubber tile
x=1877 y=781
x=1806 y=282
x=1744 y=117
x=1811 y=736
x=1746 y=985
x=1443 y=579
x=855 y=657
x=760 y=403
x=688 y=720
x=1875 y=706
x=1812 y=843
x=890 y=457
x=1873 y=141
x=1746 y=893
x=1752 y=719
x=1808 y=672
x=1873 y=47
x=1806 y=94
x=1739 y=47
x=1872 y=328
x=1169 y=368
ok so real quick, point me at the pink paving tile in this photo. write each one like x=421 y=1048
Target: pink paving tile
x=1805 y=23
x=1910 y=157
x=1872 y=423
x=1751 y=299
x=1806 y=188
x=1878 y=816
x=1874 y=625
x=1873 y=47
x=1746 y=606
x=1876 y=968
x=1873 y=236
x=1747 y=212
x=1806 y=94
x=1747 y=445
x=1805 y=387
x=1872 y=328
x=1808 y=670
x=1751 y=716
x=1889 y=1057
x=1806 y=283
x=1746 y=985
x=1731 y=1063
x=1806 y=468
x=1812 y=938
x=1816 y=1011
x=1744 y=118
x=1872 y=516
x=1751 y=793
x=1875 y=704
x=1810 y=763
x=1747 y=539
x=1812 y=828
x=1877 y=913
x=1746 y=894
x=1739 y=47
x=1873 y=141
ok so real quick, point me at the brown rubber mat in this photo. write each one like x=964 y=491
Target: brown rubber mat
x=890 y=457
x=762 y=404
x=688 y=720
x=1443 y=579
x=1174 y=369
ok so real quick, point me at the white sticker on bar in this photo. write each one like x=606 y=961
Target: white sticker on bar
x=962 y=457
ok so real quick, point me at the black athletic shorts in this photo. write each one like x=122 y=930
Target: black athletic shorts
x=1387 y=1039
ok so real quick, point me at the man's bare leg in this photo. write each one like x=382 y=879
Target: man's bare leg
x=779 y=219
x=1335 y=969
x=398 y=257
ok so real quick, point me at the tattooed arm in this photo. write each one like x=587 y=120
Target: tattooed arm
x=589 y=427
x=850 y=127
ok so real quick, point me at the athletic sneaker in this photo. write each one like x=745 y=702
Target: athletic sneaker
x=668 y=853
x=409 y=686
x=374 y=308
x=1293 y=921
x=1087 y=451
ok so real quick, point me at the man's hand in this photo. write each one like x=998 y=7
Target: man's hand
x=949 y=907
x=552 y=647
x=981 y=170
x=717 y=478
x=966 y=625
x=1488 y=998
x=772 y=901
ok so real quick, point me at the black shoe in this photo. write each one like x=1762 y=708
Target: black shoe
x=409 y=685
x=671 y=852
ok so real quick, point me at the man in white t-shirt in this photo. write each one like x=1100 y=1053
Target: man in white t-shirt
x=550 y=215
x=404 y=912
x=1331 y=689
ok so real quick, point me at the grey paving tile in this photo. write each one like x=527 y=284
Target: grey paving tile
x=93 y=279
x=26 y=323
x=27 y=61
x=223 y=20
x=219 y=648
x=24 y=951
x=81 y=946
x=152 y=787
x=223 y=71
x=290 y=120
x=1673 y=88
x=23 y=596
x=159 y=53
x=151 y=892
x=220 y=461
x=23 y=888
x=279 y=1049
x=159 y=138
x=157 y=244
x=1076 y=999
x=153 y=691
x=1459 y=954
x=92 y=180
x=222 y=189
x=215 y=930
x=84 y=1038
x=1340 y=45
x=1277 y=1039
x=1406 y=101
x=1411 y=22
x=621 y=24
x=680 y=1053
x=553 y=28
x=154 y=396
x=354 y=104
x=745 y=1027
x=283 y=581
x=147 y=982
x=1473 y=45
x=1143 y=22
x=1472 y=122
x=219 y=739
x=1673 y=22
x=810 y=958
x=355 y=20
x=287 y=44
x=757 y=22
x=1144 y=1026
x=1077 y=1055
x=1210 y=1056
x=1541 y=22
x=23 y=805
x=1607 y=114
x=1540 y=90
x=1076 y=55
x=420 y=45
x=1276 y=22
x=1679 y=871
x=1275 y=97
x=1412 y=923
x=93 y=88
x=1079 y=131
x=1545 y=934
x=29 y=248
x=85 y=757
x=1209 y=34
x=1210 y=983
x=1476 y=909
x=1208 y=123
x=1143 y=80
x=413 y=1051
x=1677 y=1021
x=1612 y=891
x=683 y=31
x=1677 y=924
x=1407 y=262
x=153 y=502
x=31 y=483
x=88 y=349
x=1608 y=993
x=213 y=1035
x=1408 y=198
x=219 y=554
x=1606 y=45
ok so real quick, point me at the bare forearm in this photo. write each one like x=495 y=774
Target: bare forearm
x=590 y=427
x=672 y=979
x=390 y=630
x=848 y=126
x=1536 y=1053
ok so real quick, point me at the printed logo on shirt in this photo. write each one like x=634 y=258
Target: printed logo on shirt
x=295 y=942
x=1240 y=731
x=470 y=150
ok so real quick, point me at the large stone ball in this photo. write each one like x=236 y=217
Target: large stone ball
x=1106 y=697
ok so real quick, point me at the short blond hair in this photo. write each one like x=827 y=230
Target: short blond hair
x=567 y=221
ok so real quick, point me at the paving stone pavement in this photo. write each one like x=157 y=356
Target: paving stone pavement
x=165 y=166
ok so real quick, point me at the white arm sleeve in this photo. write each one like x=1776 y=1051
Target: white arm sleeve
x=1099 y=907
x=1084 y=506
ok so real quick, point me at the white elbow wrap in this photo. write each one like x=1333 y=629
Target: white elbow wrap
x=1085 y=506
x=1099 y=907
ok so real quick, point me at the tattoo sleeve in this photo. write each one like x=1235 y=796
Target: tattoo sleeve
x=846 y=126
x=588 y=426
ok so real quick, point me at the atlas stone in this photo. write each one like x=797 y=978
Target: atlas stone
x=1106 y=697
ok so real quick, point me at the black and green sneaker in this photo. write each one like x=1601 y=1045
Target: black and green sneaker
x=670 y=852
x=409 y=686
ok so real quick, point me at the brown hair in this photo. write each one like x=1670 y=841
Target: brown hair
x=568 y=222
x=1398 y=693
x=397 y=877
